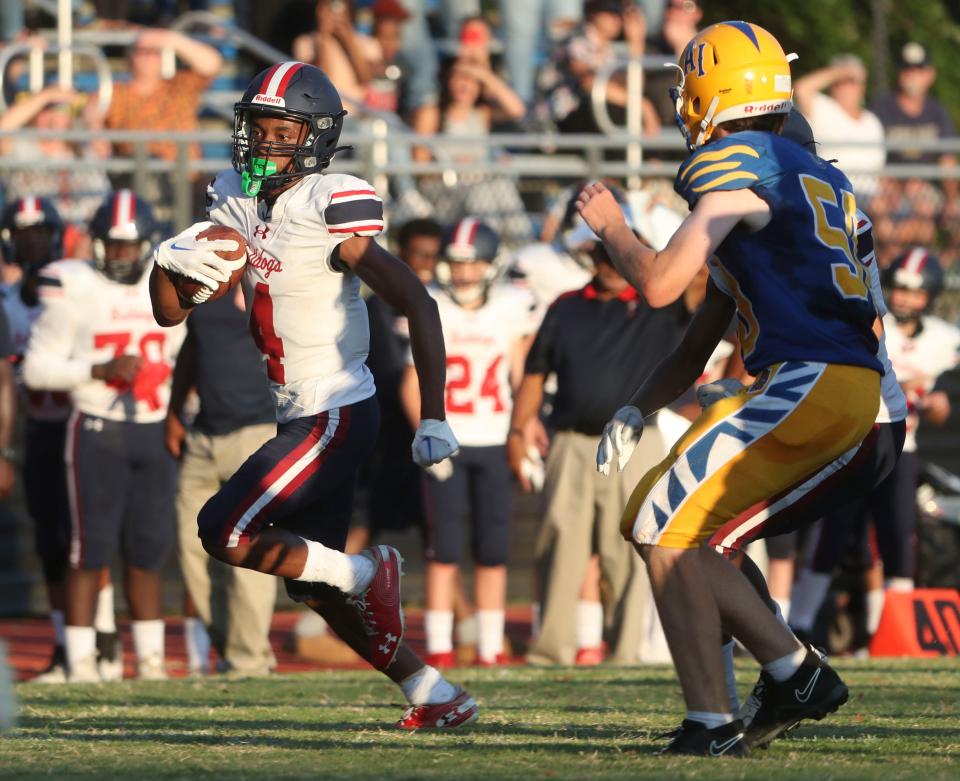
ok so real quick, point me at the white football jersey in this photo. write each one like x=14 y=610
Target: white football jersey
x=547 y=270
x=920 y=360
x=40 y=404
x=893 y=402
x=87 y=319
x=306 y=316
x=479 y=344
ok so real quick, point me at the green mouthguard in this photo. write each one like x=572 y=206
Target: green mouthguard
x=252 y=178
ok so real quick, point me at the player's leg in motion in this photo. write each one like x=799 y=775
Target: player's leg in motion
x=286 y=511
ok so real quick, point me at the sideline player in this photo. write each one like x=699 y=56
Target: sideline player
x=287 y=510
x=96 y=338
x=486 y=326
x=921 y=347
x=806 y=316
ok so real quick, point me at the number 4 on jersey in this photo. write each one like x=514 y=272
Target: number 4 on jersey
x=264 y=335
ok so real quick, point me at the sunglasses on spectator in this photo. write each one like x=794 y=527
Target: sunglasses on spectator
x=683 y=5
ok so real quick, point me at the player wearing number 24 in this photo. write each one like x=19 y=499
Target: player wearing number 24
x=776 y=227
x=310 y=238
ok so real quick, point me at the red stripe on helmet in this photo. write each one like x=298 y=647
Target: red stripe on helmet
x=285 y=81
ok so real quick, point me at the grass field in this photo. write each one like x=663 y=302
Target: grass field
x=903 y=721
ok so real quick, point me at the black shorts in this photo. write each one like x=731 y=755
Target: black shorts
x=121 y=483
x=479 y=490
x=45 y=490
x=302 y=480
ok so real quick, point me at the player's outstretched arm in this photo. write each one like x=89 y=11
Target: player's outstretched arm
x=395 y=283
x=681 y=368
x=661 y=277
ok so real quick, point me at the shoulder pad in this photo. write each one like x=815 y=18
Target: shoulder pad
x=737 y=162
x=353 y=207
x=225 y=184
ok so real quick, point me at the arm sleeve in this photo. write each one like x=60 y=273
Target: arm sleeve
x=49 y=363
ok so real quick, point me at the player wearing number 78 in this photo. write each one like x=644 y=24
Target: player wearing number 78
x=310 y=239
x=776 y=227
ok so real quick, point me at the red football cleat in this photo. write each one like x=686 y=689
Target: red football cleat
x=461 y=710
x=588 y=657
x=380 y=608
x=443 y=660
x=500 y=660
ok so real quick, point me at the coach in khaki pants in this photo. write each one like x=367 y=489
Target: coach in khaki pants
x=600 y=342
x=236 y=416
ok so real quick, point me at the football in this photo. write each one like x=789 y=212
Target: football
x=193 y=291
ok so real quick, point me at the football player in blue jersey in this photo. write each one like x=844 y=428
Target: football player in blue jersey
x=777 y=228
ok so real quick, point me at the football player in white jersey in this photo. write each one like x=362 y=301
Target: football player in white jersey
x=921 y=347
x=309 y=235
x=96 y=338
x=486 y=327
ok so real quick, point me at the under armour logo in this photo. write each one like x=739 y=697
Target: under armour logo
x=388 y=640
x=261 y=231
x=93 y=424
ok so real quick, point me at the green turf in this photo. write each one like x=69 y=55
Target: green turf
x=903 y=721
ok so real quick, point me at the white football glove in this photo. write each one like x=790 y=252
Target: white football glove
x=712 y=392
x=441 y=472
x=433 y=442
x=188 y=256
x=533 y=469
x=620 y=436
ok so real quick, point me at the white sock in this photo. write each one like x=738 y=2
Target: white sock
x=57 y=619
x=784 y=667
x=490 y=625
x=350 y=574
x=898 y=584
x=197 y=640
x=427 y=687
x=808 y=595
x=730 y=675
x=875 y=599
x=438 y=625
x=465 y=631
x=589 y=624
x=709 y=720
x=81 y=644
x=534 y=620
x=105 y=621
x=783 y=611
x=148 y=638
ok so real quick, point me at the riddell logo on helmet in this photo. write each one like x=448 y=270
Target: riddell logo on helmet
x=767 y=108
x=270 y=100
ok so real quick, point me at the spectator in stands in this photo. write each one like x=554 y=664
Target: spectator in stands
x=151 y=102
x=584 y=334
x=839 y=117
x=74 y=191
x=681 y=20
x=8 y=407
x=219 y=361
x=910 y=208
x=585 y=55
x=474 y=98
x=385 y=92
x=527 y=27
x=337 y=49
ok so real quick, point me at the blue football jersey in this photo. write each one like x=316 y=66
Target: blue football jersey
x=802 y=292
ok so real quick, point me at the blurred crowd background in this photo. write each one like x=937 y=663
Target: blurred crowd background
x=493 y=109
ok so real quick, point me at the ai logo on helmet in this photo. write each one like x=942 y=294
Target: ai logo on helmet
x=693 y=61
x=270 y=100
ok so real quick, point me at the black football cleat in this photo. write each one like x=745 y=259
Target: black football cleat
x=694 y=739
x=812 y=692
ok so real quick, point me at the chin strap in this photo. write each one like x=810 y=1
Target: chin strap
x=705 y=128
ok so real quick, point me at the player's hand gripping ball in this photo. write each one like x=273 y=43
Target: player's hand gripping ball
x=204 y=262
